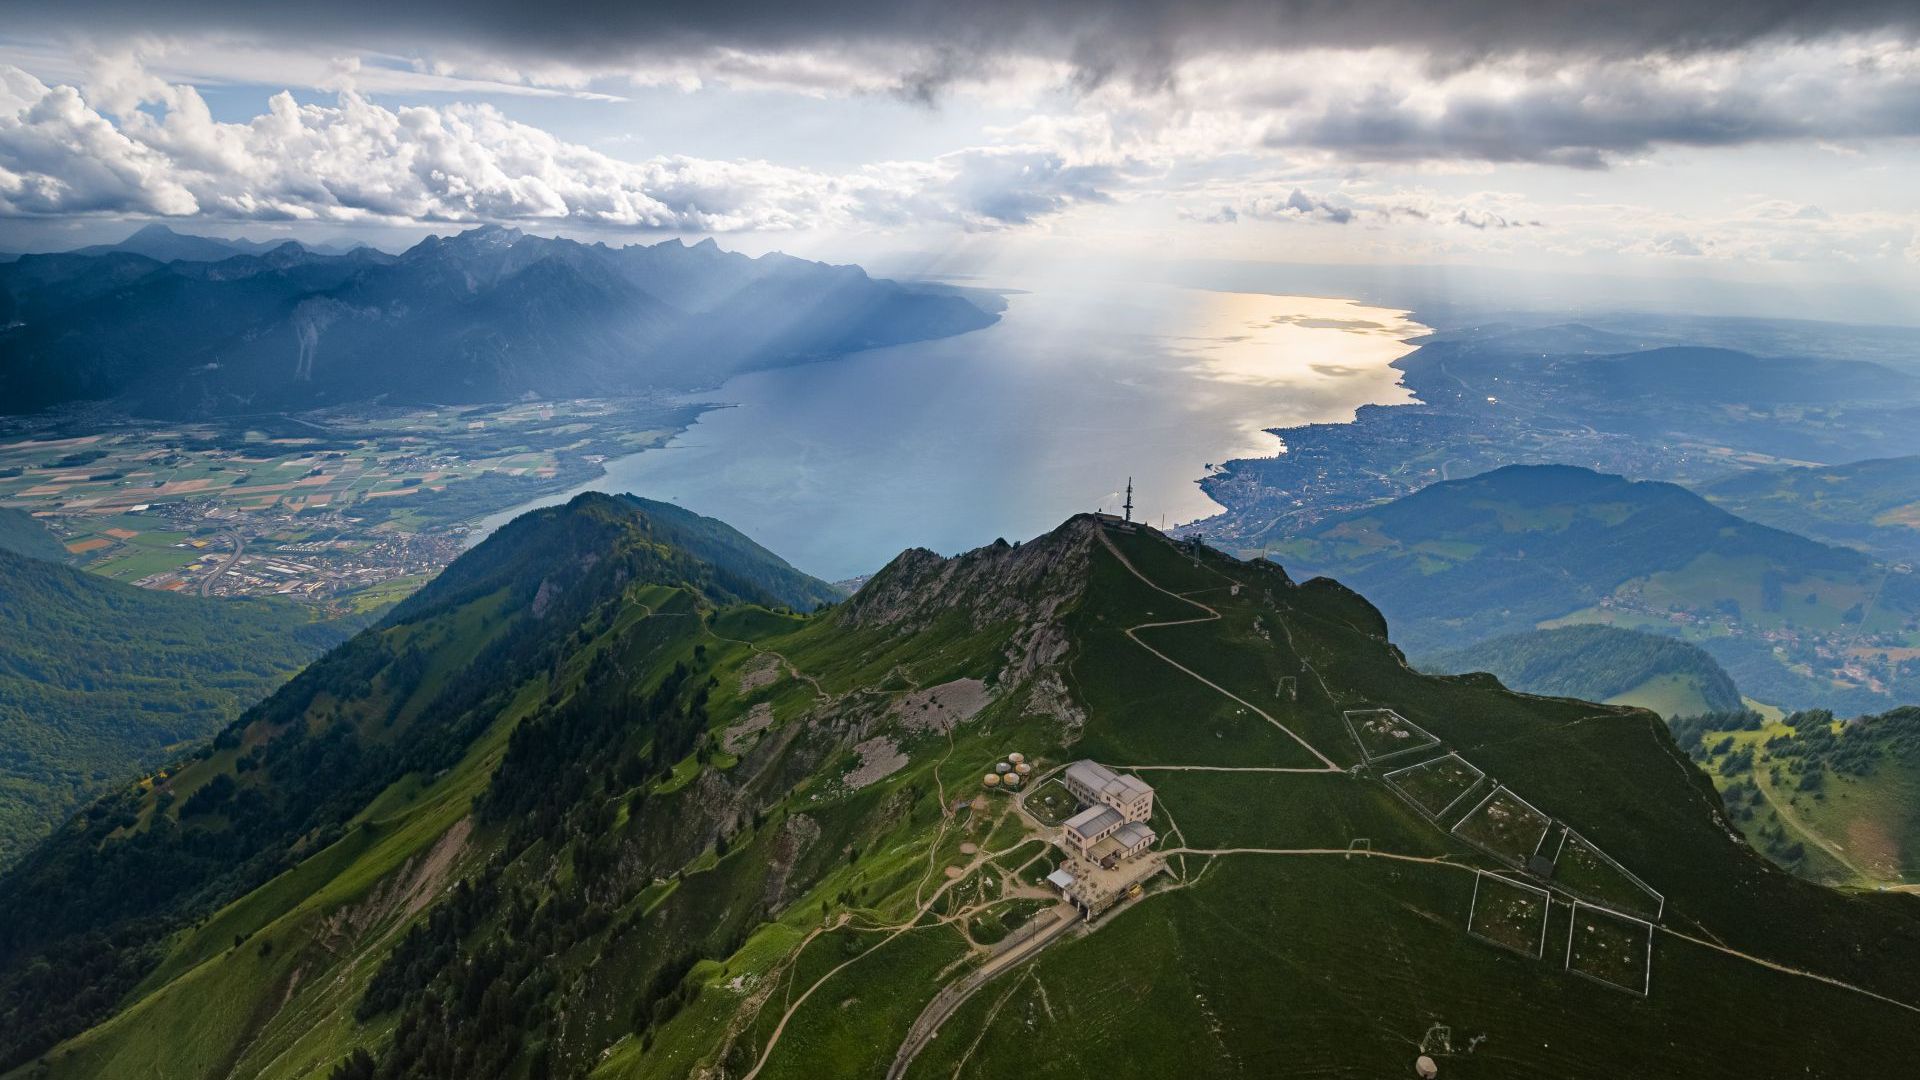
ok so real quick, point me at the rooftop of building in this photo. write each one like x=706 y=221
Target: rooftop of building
x=1096 y=777
x=1092 y=820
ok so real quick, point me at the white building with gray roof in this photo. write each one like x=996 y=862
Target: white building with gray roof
x=1095 y=784
x=1113 y=824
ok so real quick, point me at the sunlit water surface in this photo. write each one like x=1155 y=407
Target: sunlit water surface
x=1005 y=432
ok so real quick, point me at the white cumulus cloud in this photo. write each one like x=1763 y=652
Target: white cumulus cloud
x=144 y=146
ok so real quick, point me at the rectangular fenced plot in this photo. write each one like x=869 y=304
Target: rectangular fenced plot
x=1609 y=948
x=1585 y=871
x=1505 y=825
x=1383 y=733
x=1510 y=914
x=1436 y=786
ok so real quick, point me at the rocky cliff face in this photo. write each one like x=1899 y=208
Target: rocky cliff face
x=1027 y=585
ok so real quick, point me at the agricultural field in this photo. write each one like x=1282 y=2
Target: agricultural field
x=1611 y=949
x=1437 y=785
x=1509 y=914
x=347 y=510
x=1383 y=733
x=1505 y=825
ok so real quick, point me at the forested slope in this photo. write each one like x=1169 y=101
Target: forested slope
x=99 y=679
x=1600 y=663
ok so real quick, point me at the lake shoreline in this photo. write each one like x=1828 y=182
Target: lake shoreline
x=838 y=465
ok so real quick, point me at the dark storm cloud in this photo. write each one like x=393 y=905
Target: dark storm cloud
x=1104 y=39
x=1591 y=117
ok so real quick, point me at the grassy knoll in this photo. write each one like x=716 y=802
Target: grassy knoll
x=1283 y=810
x=1837 y=803
x=1149 y=712
x=853 y=1023
x=1668 y=695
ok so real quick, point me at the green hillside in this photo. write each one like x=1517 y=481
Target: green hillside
x=22 y=535
x=1872 y=505
x=1795 y=622
x=99 y=680
x=648 y=826
x=1601 y=663
x=1839 y=801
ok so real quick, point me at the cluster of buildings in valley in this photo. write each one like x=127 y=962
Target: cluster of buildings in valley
x=237 y=553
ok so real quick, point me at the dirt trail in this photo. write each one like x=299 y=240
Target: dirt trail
x=1444 y=861
x=1065 y=917
x=773 y=1038
x=1784 y=809
x=956 y=993
x=1210 y=616
x=1772 y=966
x=784 y=662
x=1216 y=768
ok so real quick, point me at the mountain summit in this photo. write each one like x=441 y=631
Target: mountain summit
x=588 y=805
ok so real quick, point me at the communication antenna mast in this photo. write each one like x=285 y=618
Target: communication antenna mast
x=1128 y=506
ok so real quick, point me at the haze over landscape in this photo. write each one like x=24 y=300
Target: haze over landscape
x=911 y=540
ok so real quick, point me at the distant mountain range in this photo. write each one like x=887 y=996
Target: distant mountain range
x=163 y=244
x=1796 y=622
x=171 y=326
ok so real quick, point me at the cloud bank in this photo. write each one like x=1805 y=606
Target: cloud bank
x=150 y=148
x=935 y=41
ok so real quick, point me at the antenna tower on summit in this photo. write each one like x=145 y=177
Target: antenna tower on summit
x=1128 y=506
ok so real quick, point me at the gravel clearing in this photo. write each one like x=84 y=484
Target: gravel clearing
x=761 y=671
x=943 y=707
x=879 y=759
x=736 y=737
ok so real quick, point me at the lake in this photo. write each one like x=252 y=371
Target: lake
x=1005 y=432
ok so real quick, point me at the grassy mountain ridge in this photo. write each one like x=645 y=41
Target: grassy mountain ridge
x=650 y=831
x=722 y=563
x=1792 y=620
x=99 y=680
x=288 y=776
x=1601 y=663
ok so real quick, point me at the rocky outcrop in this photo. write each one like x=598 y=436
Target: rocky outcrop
x=1027 y=587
